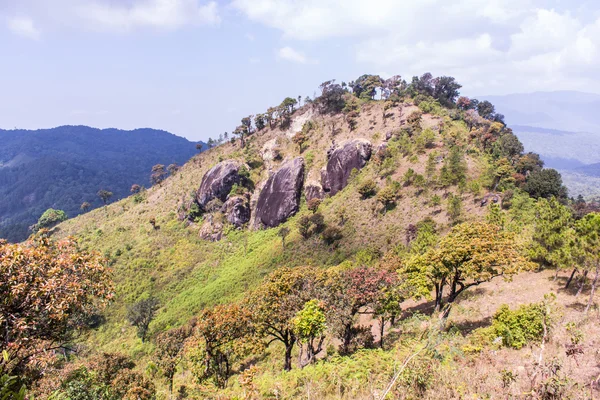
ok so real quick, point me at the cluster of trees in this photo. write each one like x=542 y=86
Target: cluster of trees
x=300 y=307
x=50 y=291
x=563 y=239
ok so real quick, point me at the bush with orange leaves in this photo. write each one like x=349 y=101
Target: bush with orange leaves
x=48 y=292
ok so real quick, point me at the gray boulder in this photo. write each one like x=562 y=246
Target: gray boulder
x=237 y=210
x=211 y=229
x=313 y=190
x=217 y=182
x=280 y=197
x=346 y=157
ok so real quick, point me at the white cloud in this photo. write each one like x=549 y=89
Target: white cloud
x=167 y=14
x=23 y=26
x=289 y=54
x=495 y=45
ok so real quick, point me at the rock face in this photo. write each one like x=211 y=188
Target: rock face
x=212 y=229
x=280 y=197
x=217 y=182
x=313 y=190
x=346 y=157
x=237 y=210
x=271 y=151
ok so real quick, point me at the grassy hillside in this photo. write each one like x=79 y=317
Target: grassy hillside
x=464 y=162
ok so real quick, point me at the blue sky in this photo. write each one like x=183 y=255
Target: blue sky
x=196 y=67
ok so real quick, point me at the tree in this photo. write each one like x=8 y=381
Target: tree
x=588 y=243
x=388 y=196
x=528 y=163
x=199 y=146
x=331 y=235
x=158 y=174
x=365 y=87
x=309 y=327
x=313 y=204
x=223 y=338
x=545 y=183
x=351 y=292
x=300 y=139
x=260 y=121
x=283 y=232
x=141 y=314
x=551 y=237
x=135 y=188
x=471 y=254
x=446 y=90
x=48 y=291
x=509 y=146
x=275 y=304
x=85 y=206
x=289 y=105
x=367 y=189
x=331 y=100
x=463 y=103
x=105 y=196
x=454 y=207
x=49 y=219
x=173 y=168
x=486 y=110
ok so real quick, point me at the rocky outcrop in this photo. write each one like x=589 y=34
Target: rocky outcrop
x=271 y=151
x=280 y=197
x=212 y=229
x=313 y=190
x=217 y=182
x=351 y=155
x=237 y=210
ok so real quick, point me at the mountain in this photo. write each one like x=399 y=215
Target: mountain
x=343 y=186
x=564 y=128
x=65 y=166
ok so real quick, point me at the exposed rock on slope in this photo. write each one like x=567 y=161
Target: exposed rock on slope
x=217 y=182
x=280 y=197
x=352 y=154
x=237 y=210
x=313 y=190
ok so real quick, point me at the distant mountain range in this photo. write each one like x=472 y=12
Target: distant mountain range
x=66 y=166
x=564 y=128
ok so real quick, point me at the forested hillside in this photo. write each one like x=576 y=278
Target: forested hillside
x=66 y=166
x=385 y=239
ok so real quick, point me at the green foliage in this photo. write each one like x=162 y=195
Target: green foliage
x=367 y=189
x=10 y=389
x=472 y=253
x=141 y=314
x=50 y=218
x=552 y=234
x=545 y=183
x=516 y=328
x=311 y=225
x=454 y=170
x=331 y=235
x=455 y=207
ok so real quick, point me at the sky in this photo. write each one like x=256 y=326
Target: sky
x=196 y=67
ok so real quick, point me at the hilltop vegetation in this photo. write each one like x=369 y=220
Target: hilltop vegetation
x=66 y=166
x=413 y=238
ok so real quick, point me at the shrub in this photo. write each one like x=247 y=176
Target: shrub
x=454 y=207
x=331 y=235
x=367 y=189
x=313 y=204
x=516 y=328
